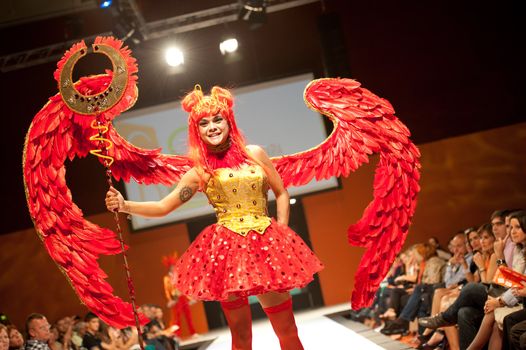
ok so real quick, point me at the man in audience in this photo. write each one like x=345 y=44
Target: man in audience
x=91 y=339
x=500 y=224
x=440 y=252
x=38 y=332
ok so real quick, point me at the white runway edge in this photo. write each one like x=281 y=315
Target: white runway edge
x=316 y=332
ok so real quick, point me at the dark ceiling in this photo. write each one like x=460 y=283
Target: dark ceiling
x=449 y=68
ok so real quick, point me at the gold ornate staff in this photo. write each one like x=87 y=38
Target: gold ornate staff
x=95 y=105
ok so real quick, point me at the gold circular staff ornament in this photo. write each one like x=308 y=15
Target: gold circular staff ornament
x=102 y=101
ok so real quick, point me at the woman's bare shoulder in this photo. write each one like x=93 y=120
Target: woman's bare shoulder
x=195 y=175
x=256 y=151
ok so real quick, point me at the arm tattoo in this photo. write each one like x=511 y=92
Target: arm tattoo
x=185 y=194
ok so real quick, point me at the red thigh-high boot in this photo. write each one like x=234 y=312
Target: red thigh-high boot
x=282 y=320
x=239 y=320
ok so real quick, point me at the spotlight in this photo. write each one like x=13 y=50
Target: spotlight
x=104 y=3
x=292 y=201
x=174 y=57
x=228 y=46
x=253 y=11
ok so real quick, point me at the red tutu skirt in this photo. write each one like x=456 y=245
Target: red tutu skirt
x=220 y=263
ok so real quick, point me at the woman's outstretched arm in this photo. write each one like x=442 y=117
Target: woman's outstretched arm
x=185 y=190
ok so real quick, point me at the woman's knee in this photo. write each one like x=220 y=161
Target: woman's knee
x=273 y=298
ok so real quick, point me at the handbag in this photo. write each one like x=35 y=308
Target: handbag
x=509 y=278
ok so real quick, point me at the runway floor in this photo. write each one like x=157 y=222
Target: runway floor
x=324 y=328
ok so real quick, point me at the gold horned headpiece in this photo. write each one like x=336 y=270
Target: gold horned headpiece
x=199 y=105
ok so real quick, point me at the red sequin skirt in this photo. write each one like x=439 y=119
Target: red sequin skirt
x=220 y=263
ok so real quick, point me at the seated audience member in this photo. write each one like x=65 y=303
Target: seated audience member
x=370 y=316
x=65 y=332
x=16 y=340
x=442 y=302
x=112 y=339
x=485 y=263
x=501 y=231
x=471 y=239
x=514 y=324
x=473 y=302
x=130 y=338
x=473 y=247
x=496 y=309
x=92 y=339
x=485 y=260
x=152 y=336
x=441 y=253
x=38 y=332
x=396 y=295
x=158 y=315
x=4 y=338
x=148 y=310
x=457 y=271
x=78 y=332
x=53 y=342
x=419 y=300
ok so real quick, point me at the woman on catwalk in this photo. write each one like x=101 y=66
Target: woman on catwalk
x=246 y=252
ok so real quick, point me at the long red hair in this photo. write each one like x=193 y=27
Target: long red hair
x=219 y=102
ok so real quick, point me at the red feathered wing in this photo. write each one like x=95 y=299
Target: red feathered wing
x=144 y=165
x=74 y=243
x=364 y=124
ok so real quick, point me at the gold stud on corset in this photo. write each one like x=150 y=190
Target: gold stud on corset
x=254 y=202
x=253 y=186
x=241 y=219
x=234 y=190
x=238 y=206
x=231 y=175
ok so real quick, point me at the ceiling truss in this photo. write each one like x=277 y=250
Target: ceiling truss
x=147 y=30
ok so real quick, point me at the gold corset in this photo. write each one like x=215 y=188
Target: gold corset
x=239 y=198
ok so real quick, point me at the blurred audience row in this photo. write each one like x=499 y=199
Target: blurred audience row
x=88 y=333
x=447 y=297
